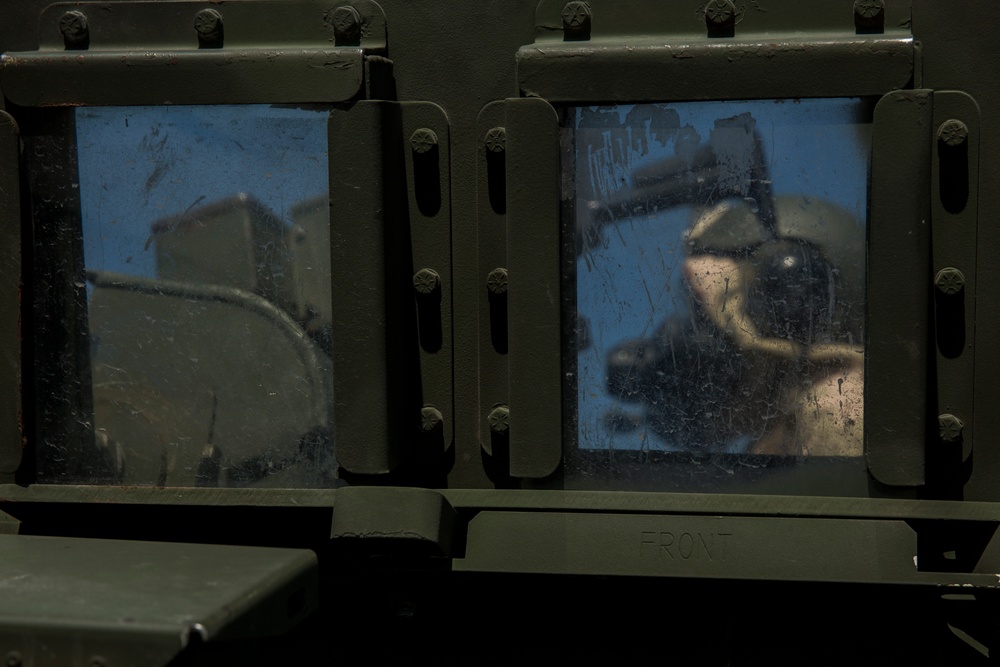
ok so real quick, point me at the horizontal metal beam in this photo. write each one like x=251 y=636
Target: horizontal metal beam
x=646 y=71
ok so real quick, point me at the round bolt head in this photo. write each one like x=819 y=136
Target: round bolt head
x=953 y=133
x=73 y=26
x=346 y=23
x=949 y=281
x=496 y=281
x=423 y=140
x=430 y=419
x=950 y=428
x=13 y=659
x=426 y=281
x=868 y=9
x=576 y=15
x=720 y=12
x=498 y=419
x=496 y=140
x=208 y=22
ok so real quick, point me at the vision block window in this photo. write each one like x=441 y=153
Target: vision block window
x=720 y=280
x=205 y=239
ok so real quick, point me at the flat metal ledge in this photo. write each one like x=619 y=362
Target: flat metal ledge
x=645 y=71
x=66 y=599
x=524 y=500
x=275 y=76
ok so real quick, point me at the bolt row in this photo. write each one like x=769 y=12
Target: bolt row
x=719 y=15
x=345 y=21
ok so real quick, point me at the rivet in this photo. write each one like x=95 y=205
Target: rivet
x=499 y=419
x=496 y=281
x=869 y=13
x=576 y=18
x=949 y=281
x=953 y=133
x=74 y=29
x=949 y=428
x=346 y=24
x=423 y=140
x=430 y=419
x=496 y=140
x=208 y=25
x=720 y=14
x=426 y=281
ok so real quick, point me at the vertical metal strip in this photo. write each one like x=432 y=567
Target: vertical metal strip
x=10 y=298
x=896 y=373
x=533 y=258
x=430 y=234
x=954 y=216
x=491 y=203
x=359 y=137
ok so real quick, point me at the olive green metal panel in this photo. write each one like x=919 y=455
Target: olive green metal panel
x=954 y=221
x=384 y=520
x=533 y=242
x=139 y=603
x=692 y=546
x=364 y=138
x=183 y=77
x=897 y=364
x=954 y=40
x=8 y=524
x=651 y=71
x=10 y=297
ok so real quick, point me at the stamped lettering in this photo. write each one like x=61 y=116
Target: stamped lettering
x=683 y=546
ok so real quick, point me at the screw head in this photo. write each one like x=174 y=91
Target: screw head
x=346 y=24
x=496 y=139
x=576 y=15
x=499 y=419
x=73 y=23
x=426 y=281
x=496 y=281
x=208 y=23
x=719 y=13
x=868 y=10
x=950 y=428
x=423 y=140
x=74 y=28
x=953 y=133
x=430 y=419
x=949 y=281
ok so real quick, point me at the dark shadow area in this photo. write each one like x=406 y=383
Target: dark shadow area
x=58 y=377
x=954 y=176
x=427 y=181
x=496 y=175
x=498 y=322
x=497 y=466
x=429 y=326
x=950 y=323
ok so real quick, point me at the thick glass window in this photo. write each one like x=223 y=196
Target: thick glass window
x=719 y=281
x=205 y=241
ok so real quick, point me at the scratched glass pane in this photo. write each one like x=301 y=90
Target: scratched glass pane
x=720 y=277
x=206 y=247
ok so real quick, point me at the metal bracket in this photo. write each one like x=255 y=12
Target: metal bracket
x=922 y=273
x=391 y=270
x=240 y=53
